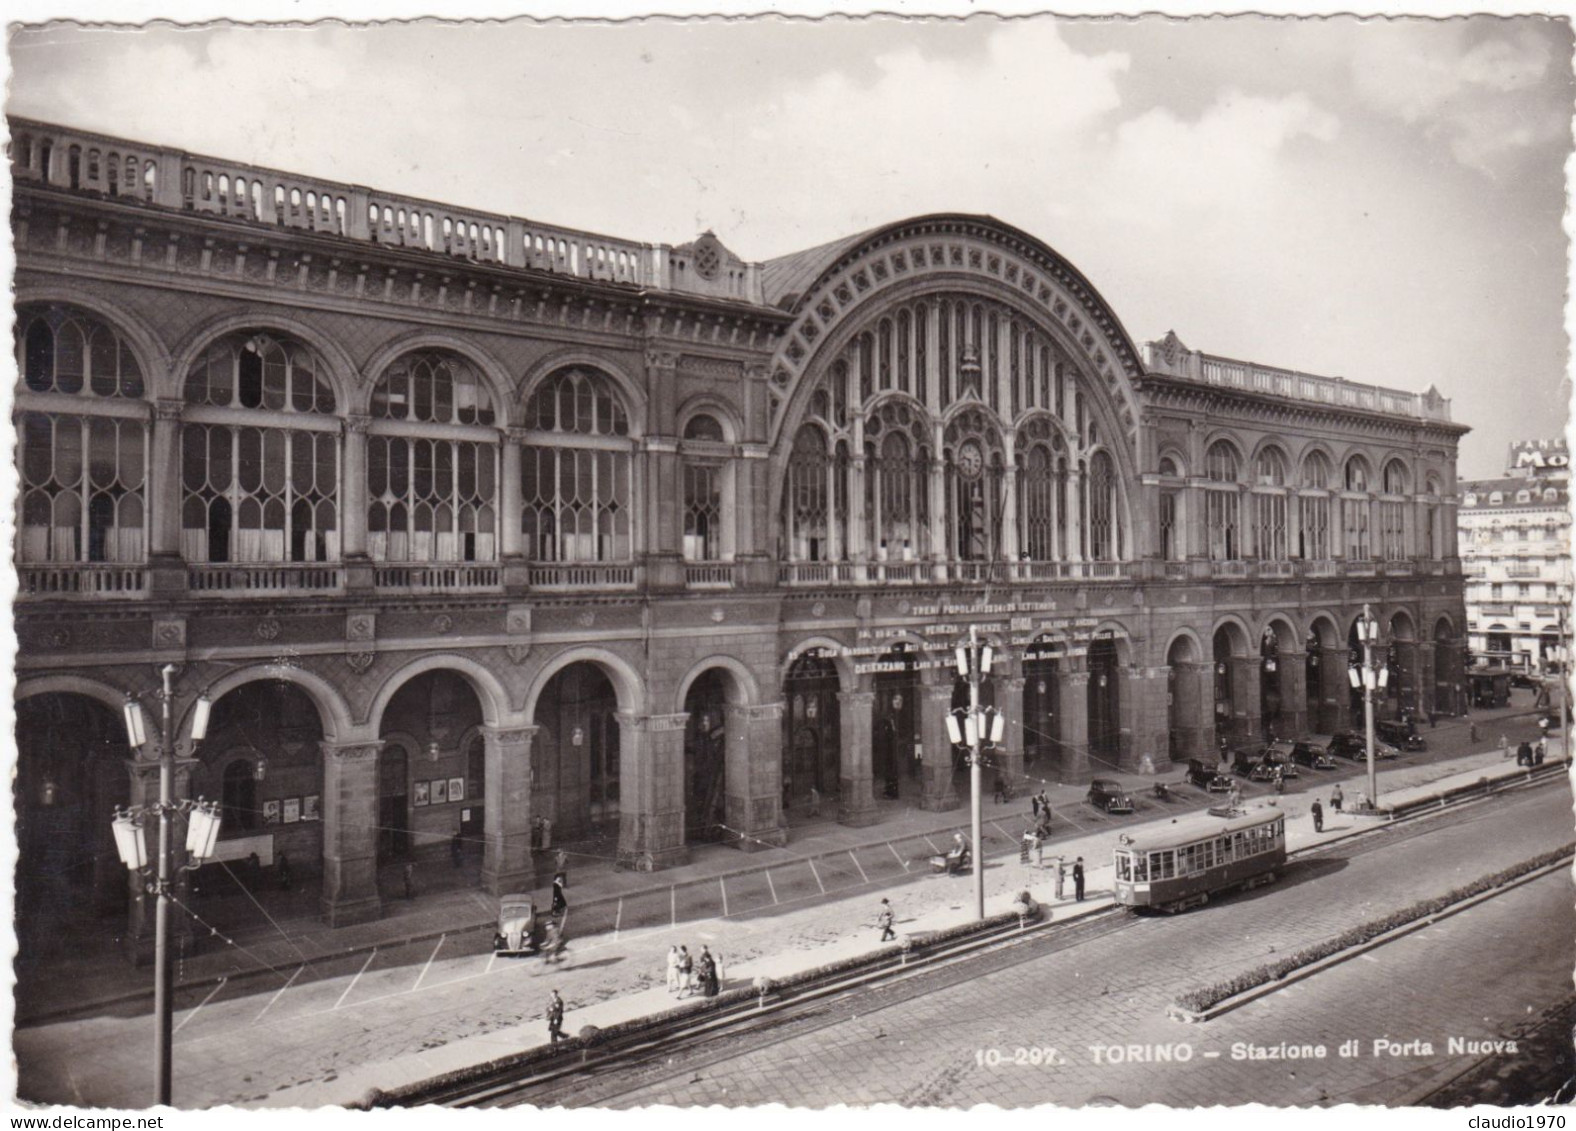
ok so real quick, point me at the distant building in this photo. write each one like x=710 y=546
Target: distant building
x=1515 y=542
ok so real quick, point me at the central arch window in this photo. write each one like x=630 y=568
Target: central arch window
x=1392 y=511
x=708 y=490
x=1042 y=490
x=1105 y=533
x=1269 y=505
x=897 y=477
x=83 y=474
x=432 y=462
x=259 y=454
x=1355 y=512
x=1313 y=509
x=575 y=472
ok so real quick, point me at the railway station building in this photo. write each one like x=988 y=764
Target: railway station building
x=469 y=524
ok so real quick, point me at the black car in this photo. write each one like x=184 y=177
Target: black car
x=1279 y=756
x=1109 y=796
x=1400 y=735
x=1245 y=761
x=1313 y=751
x=1352 y=744
x=1205 y=776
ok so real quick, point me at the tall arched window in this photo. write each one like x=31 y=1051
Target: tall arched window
x=83 y=476
x=897 y=472
x=707 y=491
x=806 y=515
x=259 y=454
x=1170 y=517
x=1269 y=505
x=1356 y=507
x=432 y=462
x=1105 y=531
x=1222 y=502
x=1039 y=495
x=1313 y=508
x=577 y=471
x=974 y=473
x=1392 y=511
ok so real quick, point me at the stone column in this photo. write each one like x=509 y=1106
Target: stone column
x=506 y=810
x=1185 y=722
x=651 y=787
x=1009 y=756
x=1333 y=665
x=1292 y=669
x=1075 y=543
x=1009 y=507
x=856 y=786
x=932 y=374
x=939 y=551
x=753 y=803
x=353 y=503
x=1426 y=690
x=1074 y=687
x=1147 y=688
x=166 y=564
x=857 y=551
x=1244 y=675
x=935 y=700
x=350 y=833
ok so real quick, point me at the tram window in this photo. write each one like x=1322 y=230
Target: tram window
x=1163 y=865
x=1140 y=868
x=1123 y=868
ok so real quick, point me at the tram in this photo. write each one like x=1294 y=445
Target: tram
x=1182 y=864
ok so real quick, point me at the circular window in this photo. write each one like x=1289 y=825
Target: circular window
x=708 y=257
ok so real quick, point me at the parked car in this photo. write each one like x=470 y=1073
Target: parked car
x=1313 y=751
x=1245 y=760
x=1352 y=744
x=1206 y=776
x=1278 y=756
x=1400 y=735
x=1109 y=796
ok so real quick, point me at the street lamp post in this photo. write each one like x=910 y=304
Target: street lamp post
x=1372 y=677
x=977 y=728
x=201 y=836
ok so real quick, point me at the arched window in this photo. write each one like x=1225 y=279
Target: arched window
x=707 y=491
x=1313 y=508
x=577 y=471
x=432 y=462
x=1222 y=502
x=1269 y=505
x=806 y=514
x=1355 y=512
x=259 y=454
x=973 y=486
x=1392 y=512
x=1039 y=491
x=897 y=473
x=83 y=476
x=1105 y=530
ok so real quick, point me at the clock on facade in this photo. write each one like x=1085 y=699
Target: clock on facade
x=970 y=459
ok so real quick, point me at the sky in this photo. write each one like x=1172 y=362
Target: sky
x=1381 y=201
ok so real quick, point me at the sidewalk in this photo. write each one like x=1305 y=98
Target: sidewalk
x=824 y=860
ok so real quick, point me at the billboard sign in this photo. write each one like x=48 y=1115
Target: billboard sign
x=1538 y=455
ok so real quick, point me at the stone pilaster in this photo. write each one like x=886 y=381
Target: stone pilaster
x=1291 y=668
x=506 y=813
x=935 y=700
x=753 y=776
x=651 y=787
x=166 y=565
x=350 y=833
x=856 y=785
x=1075 y=726
x=1147 y=688
x=1186 y=716
x=1246 y=722
x=1009 y=755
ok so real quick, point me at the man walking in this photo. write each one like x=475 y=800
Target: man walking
x=1318 y=816
x=884 y=921
x=560 y=904
x=555 y=1018
x=1078 y=879
x=1336 y=798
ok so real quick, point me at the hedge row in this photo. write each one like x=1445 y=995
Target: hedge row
x=1199 y=1000
x=592 y=1036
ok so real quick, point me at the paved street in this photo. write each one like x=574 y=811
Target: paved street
x=1464 y=977
x=325 y=1031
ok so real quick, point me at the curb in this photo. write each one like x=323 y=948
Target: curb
x=1189 y=1016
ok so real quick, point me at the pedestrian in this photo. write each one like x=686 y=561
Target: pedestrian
x=1524 y=754
x=673 y=969
x=1504 y=747
x=1045 y=804
x=410 y=881
x=1034 y=805
x=884 y=921
x=1318 y=816
x=457 y=848
x=1540 y=752
x=560 y=904
x=708 y=972
x=555 y=1018
x=561 y=865
x=1078 y=879
x=815 y=802
x=1431 y=723
x=1336 y=799
x=1280 y=781
x=686 y=972
x=1061 y=878
x=254 y=871
x=552 y=944
x=1472 y=732
x=282 y=866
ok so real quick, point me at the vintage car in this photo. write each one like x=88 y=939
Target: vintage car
x=1278 y=756
x=1245 y=760
x=1109 y=796
x=518 y=929
x=1400 y=735
x=1352 y=744
x=1313 y=751
x=1206 y=776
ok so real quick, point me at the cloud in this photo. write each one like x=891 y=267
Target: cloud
x=1487 y=95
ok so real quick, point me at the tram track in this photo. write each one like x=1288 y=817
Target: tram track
x=635 y=1063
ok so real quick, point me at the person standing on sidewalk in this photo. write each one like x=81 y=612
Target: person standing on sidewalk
x=884 y=921
x=1336 y=798
x=555 y=1018
x=673 y=969
x=1061 y=878
x=1318 y=816
x=1472 y=733
x=686 y=972
x=410 y=880
x=560 y=904
x=1078 y=879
